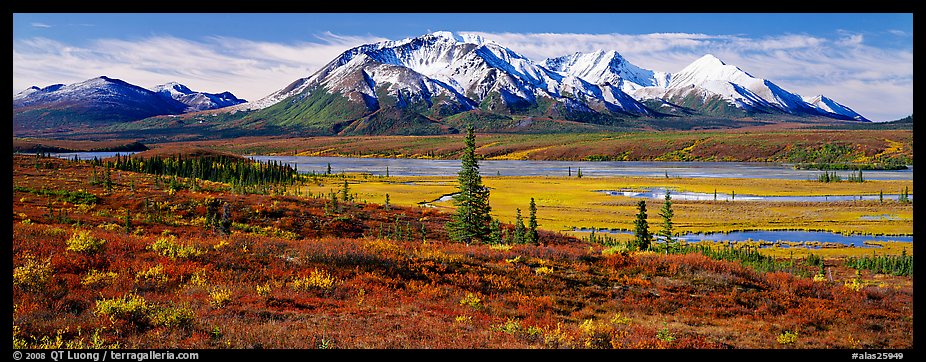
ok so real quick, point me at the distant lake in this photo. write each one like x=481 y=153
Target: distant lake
x=773 y=236
x=425 y=167
x=659 y=193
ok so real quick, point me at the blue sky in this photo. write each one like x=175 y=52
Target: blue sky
x=864 y=61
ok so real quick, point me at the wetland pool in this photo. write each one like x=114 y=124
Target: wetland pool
x=813 y=239
x=429 y=167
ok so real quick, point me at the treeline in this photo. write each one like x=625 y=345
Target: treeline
x=220 y=168
x=891 y=164
x=835 y=156
x=899 y=265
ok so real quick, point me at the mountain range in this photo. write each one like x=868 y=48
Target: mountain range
x=435 y=82
x=103 y=101
x=196 y=101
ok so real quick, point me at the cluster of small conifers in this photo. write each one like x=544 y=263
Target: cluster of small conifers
x=472 y=221
x=899 y=265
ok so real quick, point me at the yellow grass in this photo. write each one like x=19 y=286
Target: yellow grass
x=519 y=155
x=564 y=203
x=886 y=248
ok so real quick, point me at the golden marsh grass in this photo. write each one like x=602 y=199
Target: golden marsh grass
x=564 y=203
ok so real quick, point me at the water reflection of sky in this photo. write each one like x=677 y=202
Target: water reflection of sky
x=660 y=193
x=421 y=167
x=773 y=236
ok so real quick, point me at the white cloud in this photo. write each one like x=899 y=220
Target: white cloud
x=851 y=40
x=249 y=69
x=873 y=81
x=40 y=25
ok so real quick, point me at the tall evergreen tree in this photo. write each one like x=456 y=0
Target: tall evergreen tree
x=532 y=236
x=345 y=192
x=667 y=213
x=495 y=232
x=471 y=221
x=519 y=229
x=225 y=225
x=641 y=228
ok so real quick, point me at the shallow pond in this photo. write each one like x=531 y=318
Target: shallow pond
x=791 y=236
x=424 y=167
x=660 y=193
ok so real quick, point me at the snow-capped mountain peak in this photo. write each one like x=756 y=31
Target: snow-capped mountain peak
x=466 y=70
x=172 y=88
x=601 y=66
x=447 y=35
x=710 y=68
x=827 y=105
x=709 y=60
x=196 y=101
x=460 y=68
x=26 y=92
x=99 y=88
x=100 y=100
x=709 y=78
x=450 y=36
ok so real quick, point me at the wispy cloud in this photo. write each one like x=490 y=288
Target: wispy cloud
x=876 y=82
x=40 y=25
x=250 y=69
x=873 y=81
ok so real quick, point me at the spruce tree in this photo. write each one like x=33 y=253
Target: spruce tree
x=495 y=232
x=519 y=229
x=345 y=192
x=641 y=228
x=128 y=222
x=667 y=213
x=532 y=236
x=225 y=225
x=471 y=221
x=334 y=200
